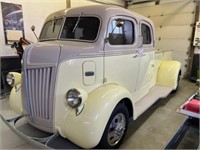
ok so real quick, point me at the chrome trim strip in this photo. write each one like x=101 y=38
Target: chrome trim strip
x=110 y=53
x=27 y=93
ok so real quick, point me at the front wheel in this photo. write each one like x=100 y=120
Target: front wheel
x=116 y=128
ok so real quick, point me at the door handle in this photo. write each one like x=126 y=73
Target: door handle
x=143 y=55
x=89 y=73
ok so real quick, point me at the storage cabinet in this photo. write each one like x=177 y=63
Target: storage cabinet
x=8 y=64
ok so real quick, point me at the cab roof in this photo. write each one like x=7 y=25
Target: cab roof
x=103 y=11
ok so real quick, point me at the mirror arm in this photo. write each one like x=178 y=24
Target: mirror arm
x=35 y=35
x=106 y=40
x=140 y=41
x=33 y=29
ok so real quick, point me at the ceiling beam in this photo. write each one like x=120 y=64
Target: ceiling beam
x=144 y=1
x=157 y=2
x=68 y=3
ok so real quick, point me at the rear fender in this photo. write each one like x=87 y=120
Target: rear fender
x=168 y=73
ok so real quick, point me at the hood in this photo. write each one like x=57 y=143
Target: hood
x=43 y=55
x=70 y=50
x=52 y=52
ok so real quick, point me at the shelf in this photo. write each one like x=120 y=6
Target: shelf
x=182 y=109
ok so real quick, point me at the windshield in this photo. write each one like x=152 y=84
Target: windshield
x=51 y=29
x=80 y=28
x=74 y=28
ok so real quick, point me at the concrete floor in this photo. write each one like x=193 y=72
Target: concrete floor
x=152 y=130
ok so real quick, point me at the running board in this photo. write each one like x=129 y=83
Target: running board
x=155 y=93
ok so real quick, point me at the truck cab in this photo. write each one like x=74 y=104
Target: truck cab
x=93 y=68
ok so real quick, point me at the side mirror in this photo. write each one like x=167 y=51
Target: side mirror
x=140 y=41
x=119 y=23
x=33 y=28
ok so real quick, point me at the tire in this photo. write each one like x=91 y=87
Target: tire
x=115 y=129
x=178 y=82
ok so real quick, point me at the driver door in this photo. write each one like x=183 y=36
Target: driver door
x=121 y=57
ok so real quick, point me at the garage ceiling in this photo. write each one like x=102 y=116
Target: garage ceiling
x=134 y=2
x=126 y=2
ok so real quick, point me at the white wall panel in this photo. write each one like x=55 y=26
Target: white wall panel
x=117 y=2
x=171 y=32
x=78 y=3
x=171 y=44
x=172 y=20
x=184 y=6
x=34 y=13
x=179 y=50
x=141 y=5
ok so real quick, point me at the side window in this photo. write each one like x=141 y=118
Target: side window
x=146 y=33
x=121 y=32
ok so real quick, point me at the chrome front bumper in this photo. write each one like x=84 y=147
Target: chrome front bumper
x=36 y=137
x=40 y=138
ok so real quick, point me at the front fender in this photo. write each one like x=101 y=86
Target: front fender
x=17 y=77
x=168 y=73
x=87 y=128
x=15 y=99
x=15 y=94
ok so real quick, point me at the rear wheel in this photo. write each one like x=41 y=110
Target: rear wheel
x=116 y=128
x=178 y=82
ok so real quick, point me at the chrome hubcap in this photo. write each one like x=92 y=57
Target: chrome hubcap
x=116 y=129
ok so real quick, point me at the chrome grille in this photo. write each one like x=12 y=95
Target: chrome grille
x=40 y=91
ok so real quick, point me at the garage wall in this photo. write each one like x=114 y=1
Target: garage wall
x=197 y=49
x=34 y=13
x=76 y=3
x=173 y=21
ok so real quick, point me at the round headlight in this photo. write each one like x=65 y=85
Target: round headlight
x=10 y=79
x=73 y=98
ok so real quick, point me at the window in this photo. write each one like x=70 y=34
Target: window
x=51 y=29
x=146 y=33
x=121 y=32
x=83 y=28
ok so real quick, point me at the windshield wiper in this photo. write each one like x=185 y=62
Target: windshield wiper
x=77 y=22
x=54 y=23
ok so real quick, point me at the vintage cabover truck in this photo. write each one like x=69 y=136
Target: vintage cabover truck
x=93 y=68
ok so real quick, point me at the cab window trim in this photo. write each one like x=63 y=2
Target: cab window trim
x=150 y=31
x=81 y=40
x=133 y=22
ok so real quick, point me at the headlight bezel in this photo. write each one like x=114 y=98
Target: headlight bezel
x=10 y=79
x=73 y=98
